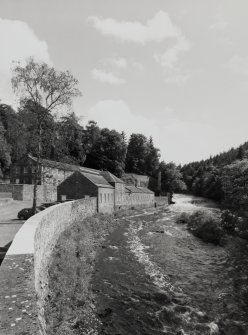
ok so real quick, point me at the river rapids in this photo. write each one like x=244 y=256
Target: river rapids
x=154 y=277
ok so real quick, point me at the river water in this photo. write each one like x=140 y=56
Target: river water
x=154 y=277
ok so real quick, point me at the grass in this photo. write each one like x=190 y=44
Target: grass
x=70 y=305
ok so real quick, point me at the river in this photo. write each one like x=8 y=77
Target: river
x=154 y=277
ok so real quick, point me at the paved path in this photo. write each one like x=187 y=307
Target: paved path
x=9 y=224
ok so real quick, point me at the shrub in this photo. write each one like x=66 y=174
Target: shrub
x=183 y=218
x=229 y=221
x=204 y=225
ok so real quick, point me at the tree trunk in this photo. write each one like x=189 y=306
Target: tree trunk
x=37 y=168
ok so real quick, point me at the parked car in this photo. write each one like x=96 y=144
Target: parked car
x=26 y=213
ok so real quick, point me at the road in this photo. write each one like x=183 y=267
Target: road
x=9 y=224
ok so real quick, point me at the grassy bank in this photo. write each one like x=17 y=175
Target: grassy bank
x=213 y=227
x=70 y=305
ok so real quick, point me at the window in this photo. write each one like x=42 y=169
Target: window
x=101 y=197
x=104 y=197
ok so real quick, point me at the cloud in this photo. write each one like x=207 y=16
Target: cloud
x=173 y=72
x=121 y=62
x=108 y=113
x=237 y=65
x=156 y=29
x=219 y=24
x=169 y=58
x=18 y=42
x=169 y=133
x=106 y=77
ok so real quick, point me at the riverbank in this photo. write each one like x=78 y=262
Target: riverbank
x=154 y=277
x=148 y=275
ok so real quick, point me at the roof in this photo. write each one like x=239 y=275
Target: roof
x=110 y=177
x=132 y=189
x=136 y=176
x=64 y=166
x=145 y=190
x=98 y=180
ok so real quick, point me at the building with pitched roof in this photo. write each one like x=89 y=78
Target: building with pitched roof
x=119 y=187
x=84 y=184
x=137 y=180
x=62 y=181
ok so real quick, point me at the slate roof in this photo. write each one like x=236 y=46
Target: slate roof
x=145 y=190
x=132 y=189
x=98 y=180
x=110 y=177
x=64 y=166
x=139 y=177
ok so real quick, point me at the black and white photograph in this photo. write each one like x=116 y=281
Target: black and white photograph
x=123 y=167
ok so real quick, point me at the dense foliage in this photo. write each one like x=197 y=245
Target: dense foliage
x=38 y=128
x=222 y=178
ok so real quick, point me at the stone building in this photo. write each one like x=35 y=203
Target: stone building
x=60 y=180
x=82 y=184
x=50 y=173
x=135 y=179
x=119 y=187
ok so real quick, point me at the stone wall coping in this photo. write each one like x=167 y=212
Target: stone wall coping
x=23 y=242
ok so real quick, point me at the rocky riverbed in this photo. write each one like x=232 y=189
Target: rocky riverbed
x=154 y=277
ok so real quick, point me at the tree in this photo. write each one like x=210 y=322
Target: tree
x=171 y=178
x=15 y=132
x=46 y=90
x=5 y=158
x=69 y=146
x=235 y=185
x=108 y=152
x=152 y=159
x=136 y=154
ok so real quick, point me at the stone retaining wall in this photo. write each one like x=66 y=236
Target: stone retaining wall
x=23 y=273
x=24 y=192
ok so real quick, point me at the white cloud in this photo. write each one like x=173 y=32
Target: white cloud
x=106 y=77
x=18 y=42
x=220 y=25
x=138 y=66
x=156 y=29
x=108 y=113
x=170 y=57
x=173 y=72
x=119 y=62
x=237 y=65
x=175 y=76
x=168 y=132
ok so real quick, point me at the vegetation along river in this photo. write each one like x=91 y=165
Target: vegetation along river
x=154 y=277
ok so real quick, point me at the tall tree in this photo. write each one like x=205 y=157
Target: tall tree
x=15 y=132
x=108 y=152
x=5 y=158
x=136 y=154
x=152 y=159
x=69 y=146
x=48 y=90
x=171 y=178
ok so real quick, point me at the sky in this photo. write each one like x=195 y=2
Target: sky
x=175 y=70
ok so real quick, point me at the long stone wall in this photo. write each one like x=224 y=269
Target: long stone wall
x=23 y=273
x=24 y=192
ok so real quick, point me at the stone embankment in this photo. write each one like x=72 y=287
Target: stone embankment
x=24 y=271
